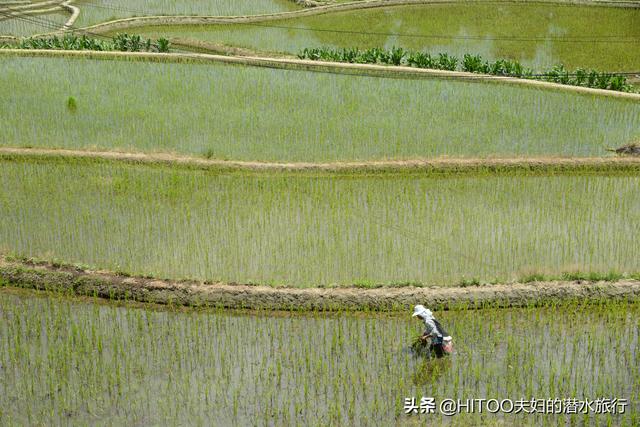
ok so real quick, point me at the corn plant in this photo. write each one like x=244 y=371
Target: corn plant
x=396 y=55
x=475 y=64
x=121 y=42
x=421 y=60
x=447 y=62
x=470 y=63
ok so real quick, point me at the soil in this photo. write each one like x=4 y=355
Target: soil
x=444 y=164
x=75 y=281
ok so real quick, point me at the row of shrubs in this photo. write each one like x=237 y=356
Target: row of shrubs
x=121 y=42
x=469 y=63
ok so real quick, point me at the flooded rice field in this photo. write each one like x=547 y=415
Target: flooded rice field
x=77 y=361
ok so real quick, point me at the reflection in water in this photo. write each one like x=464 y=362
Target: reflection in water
x=539 y=35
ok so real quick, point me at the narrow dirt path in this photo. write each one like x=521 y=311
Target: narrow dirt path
x=69 y=280
x=75 y=12
x=435 y=165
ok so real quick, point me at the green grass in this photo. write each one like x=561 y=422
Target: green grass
x=247 y=113
x=66 y=362
x=315 y=230
x=96 y=11
x=448 y=28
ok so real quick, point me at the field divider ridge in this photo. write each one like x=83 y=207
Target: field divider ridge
x=442 y=164
x=75 y=281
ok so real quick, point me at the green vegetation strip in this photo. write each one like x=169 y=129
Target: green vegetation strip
x=258 y=114
x=470 y=63
x=307 y=230
x=121 y=42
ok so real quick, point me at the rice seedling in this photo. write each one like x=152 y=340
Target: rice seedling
x=314 y=230
x=247 y=113
x=70 y=362
x=537 y=35
x=72 y=104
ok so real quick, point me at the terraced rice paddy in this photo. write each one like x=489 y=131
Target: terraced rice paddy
x=96 y=11
x=247 y=113
x=68 y=362
x=539 y=35
x=32 y=25
x=316 y=230
x=81 y=361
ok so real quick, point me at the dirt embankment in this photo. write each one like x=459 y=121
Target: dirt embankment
x=203 y=46
x=437 y=165
x=74 y=281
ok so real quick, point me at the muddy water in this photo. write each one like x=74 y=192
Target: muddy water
x=80 y=362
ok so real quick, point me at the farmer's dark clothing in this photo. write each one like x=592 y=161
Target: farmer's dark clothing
x=437 y=333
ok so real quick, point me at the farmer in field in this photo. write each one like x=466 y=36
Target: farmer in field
x=441 y=342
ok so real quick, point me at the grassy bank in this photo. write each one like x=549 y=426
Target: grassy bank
x=245 y=113
x=307 y=230
x=538 y=291
x=613 y=165
x=538 y=35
